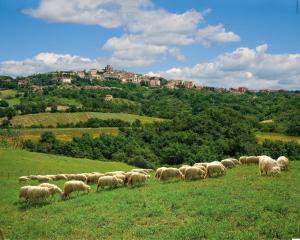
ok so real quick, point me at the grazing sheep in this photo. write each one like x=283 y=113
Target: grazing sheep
x=169 y=173
x=215 y=168
x=283 y=163
x=70 y=176
x=75 y=186
x=80 y=177
x=193 y=173
x=93 y=178
x=228 y=163
x=159 y=171
x=23 y=179
x=275 y=171
x=201 y=164
x=183 y=169
x=53 y=188
x=235 y=161
x=114 y=173
x=137 y=178
x=121 y=176
x=253 y=159
x=243 y=159
x=107 y=181
x=268 y=165
x=203 y=168
x=61 y=177
x=23 y=192
x=43 y=179
x=36 y=193
x=33 y=177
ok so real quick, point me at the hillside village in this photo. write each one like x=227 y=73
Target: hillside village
x=109 y=73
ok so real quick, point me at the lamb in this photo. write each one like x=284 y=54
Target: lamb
x=23 y=179
x=213 y=168
x=183 y=169
x=35 y=193
x=159 y=171
x=108 y=181
x=75 y=186
x=283 y=163
x=228 y=163
x=169 y=173
x=53 y=188
x=193 y=173
x=268 y=165
x=137 y=178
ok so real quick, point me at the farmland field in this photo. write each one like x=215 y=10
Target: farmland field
x=52 y=119
x=65 y=134
x=276 y=137
x=7 y=93
x=239 y=205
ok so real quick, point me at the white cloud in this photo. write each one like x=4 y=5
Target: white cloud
x=46 y=62
x=253 y=68
x=146 y=27
x=215 y=34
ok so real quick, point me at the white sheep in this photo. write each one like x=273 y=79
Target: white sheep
x=169 y=173
x=23 y=192
x=159 y=171
x=268 y=165
x=183 y=169
x=61 y=177
x=43 y=179
x=36 y=193
x=53 y=188
x=228 y=163
x=137 y=178
x=215 y=168
x=74 y=186
x=193 y=173
x=108 y=181
x=283 y=163
x=93 y=178
x=243 y=159
x=24 y=179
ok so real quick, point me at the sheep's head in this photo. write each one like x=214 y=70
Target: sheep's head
x=88 y=189
x=275 y=170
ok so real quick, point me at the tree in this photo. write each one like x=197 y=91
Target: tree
x=48 y=137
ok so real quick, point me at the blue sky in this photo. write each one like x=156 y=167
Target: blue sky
x=218 y=34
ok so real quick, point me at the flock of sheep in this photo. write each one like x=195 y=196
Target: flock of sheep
x=81 y=182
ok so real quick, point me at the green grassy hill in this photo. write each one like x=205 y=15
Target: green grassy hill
x=47 y=119
x=239 y=205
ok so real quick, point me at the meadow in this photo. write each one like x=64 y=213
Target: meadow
x=8 y=93
x=65 y=134
x=52 y=119
x=239 y=205
x=276 y=137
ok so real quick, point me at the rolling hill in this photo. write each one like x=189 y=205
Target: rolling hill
x=239 y=205
x=52 y=119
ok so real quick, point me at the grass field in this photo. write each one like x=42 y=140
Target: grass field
x=13 y=101
x=239 y=205
x=65 y=134
x=276 y=137
x=64 y=101
x=7 y=93
x=51 y=119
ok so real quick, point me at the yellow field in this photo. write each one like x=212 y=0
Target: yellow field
x=7 y=93
x=52 y=119
x=276 y=137
x=65 y=134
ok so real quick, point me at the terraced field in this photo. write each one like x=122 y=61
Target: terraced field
x=276 y=137
x=65 y=134
x=52 y=119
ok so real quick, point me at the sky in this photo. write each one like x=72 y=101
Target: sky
x=228 y=43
